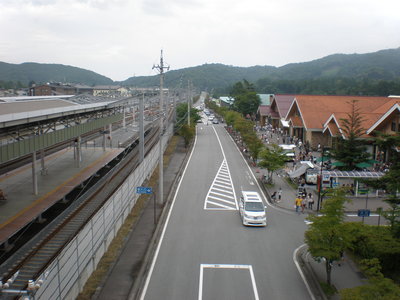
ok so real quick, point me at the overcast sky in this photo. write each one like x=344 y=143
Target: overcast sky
x=123 y=38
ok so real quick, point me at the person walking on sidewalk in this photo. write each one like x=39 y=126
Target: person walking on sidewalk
x=298 y=202
x=280 y=194
x=273 y=197
x=303 y=204
x=310 y=201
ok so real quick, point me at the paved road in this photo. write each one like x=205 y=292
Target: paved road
x=205 y=252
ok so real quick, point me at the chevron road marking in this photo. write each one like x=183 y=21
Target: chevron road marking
x=221 y=195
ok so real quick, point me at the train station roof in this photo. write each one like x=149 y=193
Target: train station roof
x=36 y=109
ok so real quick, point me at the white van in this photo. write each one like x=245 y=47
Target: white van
x=252 y=209
x=288 y=150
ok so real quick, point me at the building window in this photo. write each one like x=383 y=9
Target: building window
x=393 y=126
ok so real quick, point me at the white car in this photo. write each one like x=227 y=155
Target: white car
x=252 y=209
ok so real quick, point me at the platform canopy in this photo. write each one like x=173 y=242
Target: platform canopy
x=353 y=174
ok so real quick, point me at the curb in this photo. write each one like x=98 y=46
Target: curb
x=308 y=271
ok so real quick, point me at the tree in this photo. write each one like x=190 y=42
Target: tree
x=254 y=144
x=327 y=237
x=230 y=117
x=187 y=132
x=247 y=103
x=246 y=99
x=390 y=181
x=351 y=150
x=272 y=159
x=379 y=287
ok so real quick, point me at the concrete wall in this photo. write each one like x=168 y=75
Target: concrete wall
x=68 y=273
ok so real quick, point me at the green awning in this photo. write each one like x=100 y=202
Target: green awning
x=373 y=161
x=363 y=165
x=323 y=158
x=338 y=164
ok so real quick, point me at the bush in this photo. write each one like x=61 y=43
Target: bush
x=376 y=242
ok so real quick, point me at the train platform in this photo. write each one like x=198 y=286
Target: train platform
x=61 y=175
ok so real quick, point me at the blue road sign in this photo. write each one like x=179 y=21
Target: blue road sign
x=364 y=212
x=144 y=190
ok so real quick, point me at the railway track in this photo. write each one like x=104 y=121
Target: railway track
x=28 y=265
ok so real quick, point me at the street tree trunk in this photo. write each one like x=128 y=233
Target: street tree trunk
x=328 y=267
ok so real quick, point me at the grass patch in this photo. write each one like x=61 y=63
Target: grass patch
x=329 y=290
x=118 y=242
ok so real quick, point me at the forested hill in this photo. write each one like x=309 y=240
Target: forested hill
x=42 y=73
x=381 y=65
x=375 y=73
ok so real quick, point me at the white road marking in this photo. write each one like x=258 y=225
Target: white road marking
x=224 y=207
x=301 y=271
x=221 y=191
x=356 y=215
x=227 y=266
x=146 y=285
x=249 y=178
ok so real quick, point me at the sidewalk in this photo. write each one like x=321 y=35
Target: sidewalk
x=345 y=274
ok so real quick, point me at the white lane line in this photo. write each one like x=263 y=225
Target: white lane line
x=218 y=194
x=222 y=180
x=223 y=190
x=146 y=285
x=222 y=200
x=227 y=166
x=301 y=271
x=220 y=205
x=356 y=215
x=221 y=185
x=227 y=266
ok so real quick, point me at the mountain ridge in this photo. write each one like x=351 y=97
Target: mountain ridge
x=380 y=65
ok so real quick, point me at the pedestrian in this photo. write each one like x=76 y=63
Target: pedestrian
x=303 y=205
x=298 y=204
x=273 y=196
x=310 y=201
x=280 y=194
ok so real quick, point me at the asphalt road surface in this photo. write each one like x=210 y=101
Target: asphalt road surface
x=205 y=252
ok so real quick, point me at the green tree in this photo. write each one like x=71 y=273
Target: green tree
x=253 y=143
x=231 y=117
x=351 y=149
x=247 y=103
x=187 y=132
x=379 y=287
x=327 y=237
x=243 y=126
x=273 y=159
x=390 y=181
x=246 y=99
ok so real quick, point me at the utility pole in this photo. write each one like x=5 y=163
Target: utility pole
x=189 y=102
x=160 y=68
